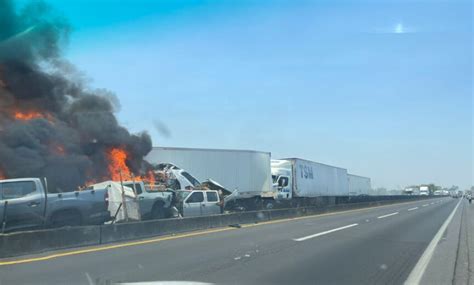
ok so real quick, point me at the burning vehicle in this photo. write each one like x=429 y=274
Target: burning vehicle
x=51 y=123
x=167 y=195
x=54 y=126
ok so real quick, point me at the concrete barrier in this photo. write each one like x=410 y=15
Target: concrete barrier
x=128 y=231
x=22 y=243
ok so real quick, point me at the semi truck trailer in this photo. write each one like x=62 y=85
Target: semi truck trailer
x=256 y=181
x=246 y=173
x=358 y=185
x=304 y=181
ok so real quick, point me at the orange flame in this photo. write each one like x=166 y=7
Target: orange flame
x=90 y=182
x=31 y=115
x=151 y=178
x=118 y=168
x=58 y=149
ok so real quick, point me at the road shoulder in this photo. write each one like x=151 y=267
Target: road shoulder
x=464 y=271
x=449 y=263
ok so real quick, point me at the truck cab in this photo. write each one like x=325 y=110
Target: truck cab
x=154 y=202
x=192 y=203
x=22 y=204
x=282 y=179
x=424 y=191
x=26 y=204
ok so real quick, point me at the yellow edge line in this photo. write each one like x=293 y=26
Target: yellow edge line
x=135 y=243
x=76 y=252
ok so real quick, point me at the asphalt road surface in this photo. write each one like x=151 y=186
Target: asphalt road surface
x=370 y=246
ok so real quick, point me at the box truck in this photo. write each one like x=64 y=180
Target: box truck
x=358 y=185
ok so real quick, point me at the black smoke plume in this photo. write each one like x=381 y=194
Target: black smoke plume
x=68 y=142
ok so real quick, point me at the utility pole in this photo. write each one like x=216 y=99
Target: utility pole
x=125 y=212
x=137 y=200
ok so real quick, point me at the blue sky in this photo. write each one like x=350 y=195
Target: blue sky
x=382 y=88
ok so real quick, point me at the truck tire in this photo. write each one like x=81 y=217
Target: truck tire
x=268 y=205
x=66 y=218
x=158 y=211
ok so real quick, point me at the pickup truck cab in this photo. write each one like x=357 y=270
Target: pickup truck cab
x=191 y=203
x=154 y=203
x=25 y=204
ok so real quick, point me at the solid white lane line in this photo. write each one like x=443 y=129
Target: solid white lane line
x=89 y=279
x=325 y=233
x=420 y=267
x=388 y=215
x=425 y=205
x=412 y=209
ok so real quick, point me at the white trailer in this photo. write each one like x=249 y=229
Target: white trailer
x=299 y=178
x=246 y=171
x=358 y=185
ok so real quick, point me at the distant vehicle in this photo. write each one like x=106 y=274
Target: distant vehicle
x=438 y=193
x=455 y=194
x=25 y=204
x=424 y=191
x=412 y=191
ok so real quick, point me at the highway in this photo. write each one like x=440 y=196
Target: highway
x=379 y=245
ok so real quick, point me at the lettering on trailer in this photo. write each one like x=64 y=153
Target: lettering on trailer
x=306 y=172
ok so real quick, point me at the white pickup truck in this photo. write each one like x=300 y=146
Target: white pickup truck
x=153 y=203
x=156 y=204
x=192 y=203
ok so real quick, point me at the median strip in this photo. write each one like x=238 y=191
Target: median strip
x=388 y=215
x=325 y=233
x=412 y=209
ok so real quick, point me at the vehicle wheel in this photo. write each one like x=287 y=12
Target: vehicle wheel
x=66 y=218
x=269 y=206
x=158 y=212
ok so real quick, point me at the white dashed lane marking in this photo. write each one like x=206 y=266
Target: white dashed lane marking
x=325 y=232
x=388 y=215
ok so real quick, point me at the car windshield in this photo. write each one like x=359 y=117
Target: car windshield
x=181 y=195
